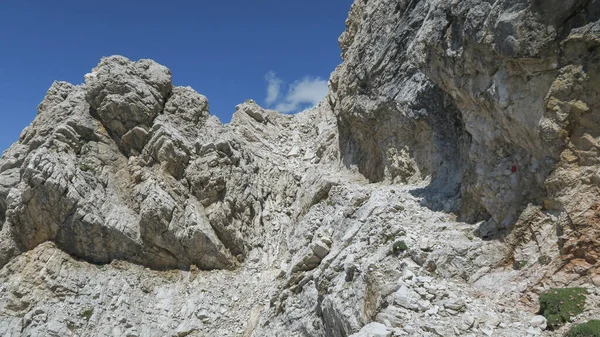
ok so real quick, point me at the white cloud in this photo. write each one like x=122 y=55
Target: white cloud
x=304 y=93
x=274 y=87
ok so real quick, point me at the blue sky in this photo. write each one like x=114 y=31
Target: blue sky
x=279 y=53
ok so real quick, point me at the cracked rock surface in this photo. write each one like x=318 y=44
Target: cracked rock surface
x=450 y=176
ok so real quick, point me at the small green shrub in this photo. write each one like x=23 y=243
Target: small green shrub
x=87 y=313
x=518 y=265
x=399 y=247
x=558 y=305
x=589 y=329
x=87 y=168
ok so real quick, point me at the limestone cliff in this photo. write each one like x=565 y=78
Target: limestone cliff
x=451 y=174
x=493 y=103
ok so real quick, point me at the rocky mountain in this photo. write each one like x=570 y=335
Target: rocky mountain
x=449 y=178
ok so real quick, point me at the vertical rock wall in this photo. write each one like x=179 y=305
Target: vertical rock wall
x=479 y=98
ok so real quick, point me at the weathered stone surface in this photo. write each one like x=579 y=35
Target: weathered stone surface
x=458 y=93
x=125 y=94
x=539 y=322
x=373 y=330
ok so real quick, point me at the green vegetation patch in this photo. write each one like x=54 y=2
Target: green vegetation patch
x=87 y=313
x=589 y=329
x=399 y=247
x=558 y=305
x=518 y=265
x=87 y=168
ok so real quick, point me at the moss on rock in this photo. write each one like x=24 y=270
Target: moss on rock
x=588 y=329
x=559 y=305
x=399 y=247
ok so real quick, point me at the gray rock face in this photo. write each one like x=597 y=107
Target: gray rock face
x=497 y=107
x=126 y=95
x=126 y=209
x=79 y=189
x=395 y=123
x=461 y=94
x=127 y=167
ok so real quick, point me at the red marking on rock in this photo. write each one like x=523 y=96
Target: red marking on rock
x=514 y=169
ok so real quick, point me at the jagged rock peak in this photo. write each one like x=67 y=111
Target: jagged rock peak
x=129 y=167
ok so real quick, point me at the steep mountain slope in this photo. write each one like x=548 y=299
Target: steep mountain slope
x=451 y=175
